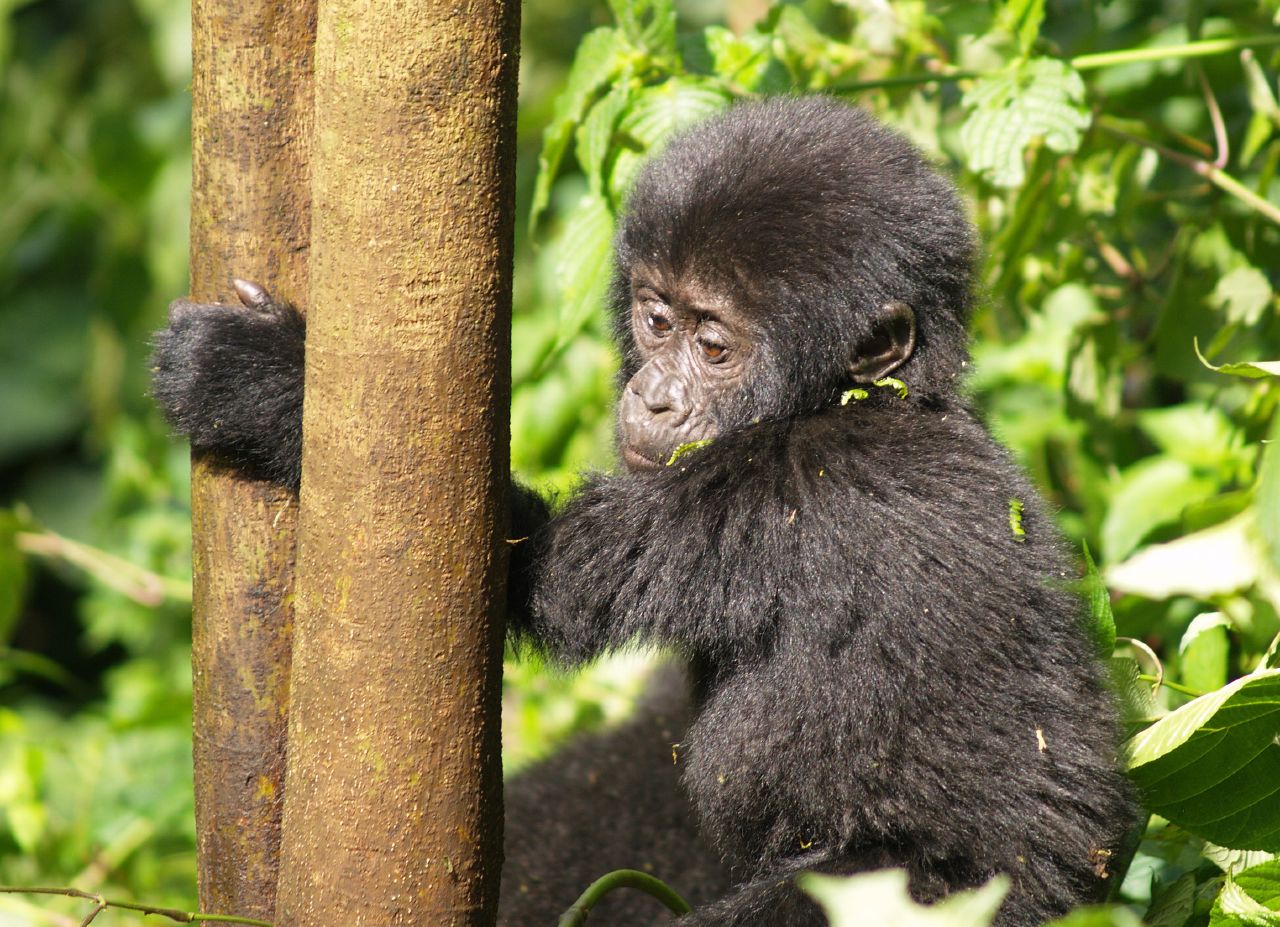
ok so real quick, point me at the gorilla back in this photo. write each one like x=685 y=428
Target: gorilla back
x=881 y=672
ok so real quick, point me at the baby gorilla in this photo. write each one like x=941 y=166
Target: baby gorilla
x=881 y=672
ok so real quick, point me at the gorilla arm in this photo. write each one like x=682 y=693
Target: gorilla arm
x=673 y=557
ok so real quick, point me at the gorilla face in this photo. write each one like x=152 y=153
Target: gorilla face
x=697 y=354
x=707 y=362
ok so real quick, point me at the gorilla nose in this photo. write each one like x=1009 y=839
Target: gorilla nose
x=666 y=401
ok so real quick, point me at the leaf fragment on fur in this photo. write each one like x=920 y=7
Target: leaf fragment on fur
x=685 y=449
x=1015 y=519
x=894 y=383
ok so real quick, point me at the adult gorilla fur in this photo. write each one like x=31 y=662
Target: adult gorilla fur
x=880 y=671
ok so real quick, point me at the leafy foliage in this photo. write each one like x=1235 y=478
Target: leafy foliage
x=1127 y=349
x=881 y=898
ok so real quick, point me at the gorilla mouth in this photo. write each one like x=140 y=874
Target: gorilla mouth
x=637 y=462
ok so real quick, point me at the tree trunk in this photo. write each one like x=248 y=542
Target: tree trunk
x=393 y=809
x=250 y=217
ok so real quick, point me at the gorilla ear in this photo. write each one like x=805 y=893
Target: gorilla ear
x=892 y=339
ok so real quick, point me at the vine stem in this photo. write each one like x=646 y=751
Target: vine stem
x=1201 y=49
x=1169 y=684
x=101 y=904
x=576 y=916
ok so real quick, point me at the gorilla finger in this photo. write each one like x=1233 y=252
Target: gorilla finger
x=251 y=294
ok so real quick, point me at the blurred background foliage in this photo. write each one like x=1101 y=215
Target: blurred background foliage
x=1126 y=197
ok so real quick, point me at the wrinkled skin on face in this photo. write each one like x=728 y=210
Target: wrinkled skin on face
x=702 y=357
x=697 y=351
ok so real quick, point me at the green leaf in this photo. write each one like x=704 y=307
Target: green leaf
x=1021 y=19
x=27 y=820
x=1248 y=898
x=1253 y=370
x=881 y=898
x=655 y=115
x=1151 y=493
x=1234 y=861
x=648 y=24
x=1103 y=622
x=13 y=575
x=1243 y=294
x=1215 y=561
x=1266 y=112
x=659 y=112
x=1137 y=700
x=1110 y=915
x=1205 y=651
x=1195 y=432
x=602 y=56
x=595 y=136
x=1268 y=495
x=1172 y=904
x=1213 y=765
x=742 y=60
x=583 y=264
x=1039 y=99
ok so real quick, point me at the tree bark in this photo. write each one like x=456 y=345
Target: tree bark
x=250 y=217
x=393 y=807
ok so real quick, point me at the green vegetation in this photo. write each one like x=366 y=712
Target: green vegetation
x=1120 y=160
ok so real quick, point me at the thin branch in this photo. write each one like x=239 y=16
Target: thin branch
x=1228 y=184
x=139 y=584
x=576 y=916
x=1215 y=175
x=1221 y=145
x=101 y=904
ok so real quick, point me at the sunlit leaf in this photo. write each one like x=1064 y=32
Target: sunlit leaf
x=601 y=57
x=583 y=263
x=1039 y=99
x=659 y=112
x=1205 y=650
x=1021 y=19
x=1151 y=493
x=881 y=898
x=595 y=136
x=1112 y=915
x=1243 y=294
x=648 y=24
x=744 y=60
x=1253 y=370
x=1250 y=898
x=1268 y=495
x=1136 y=697
x=1213 y=765
x=1215 y=561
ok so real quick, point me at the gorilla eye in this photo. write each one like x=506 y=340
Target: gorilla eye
x=659 y=323
x=712 y=350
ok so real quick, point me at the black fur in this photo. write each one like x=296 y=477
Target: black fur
x=230 y=379
x=883 y=672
